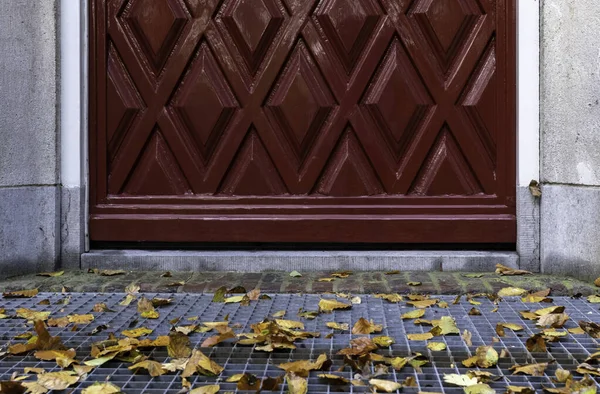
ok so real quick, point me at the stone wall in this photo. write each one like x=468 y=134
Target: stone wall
x=570 y=137
x=29 y=199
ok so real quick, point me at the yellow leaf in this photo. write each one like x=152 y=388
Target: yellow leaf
x=96 y=362
x=290 y=324
x=303 y=367
x=338 y=326
x=481 y=388
x=137 y=332
x=414 y=314
x=179 y=345
x=549 y=310
x=359 y=347
x=30 y=314
x=511 y=292
x=393 y=298
x=234 y=378
x=529 y=369
x=235 y=299
x=200 y=363
x=414 y=283
x=436 y=346
x=460 y=380
x=109 y=272
x=576 y=331
x=34 y=388
x=512 y=326
x=333 y=378
x=385 y=385
x=101 y=388
x=445 y=326
x=504 y=270
x=384 y=341
x=420 y=337
x=210 y=389
x=325 y=279
x=59 y=322
x=20 y=293
x=82 y=370
x=154 y=368
x=329 y=305
x=296 y=384
x=423 y=303
x=279 y=314
x=127 y=300
x=295 y=274
x=363 y=326
x=150 y=315
x=80 y=319
x=555 y=320
x=51 y=274
x=58 y=380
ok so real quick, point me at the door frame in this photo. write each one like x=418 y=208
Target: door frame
x=74 y=88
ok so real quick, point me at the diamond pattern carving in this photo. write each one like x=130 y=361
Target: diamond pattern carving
x=301 y=101
x=204 y=89
x=348 y=25
x=156 y=26
x=397 y=100
x=252 y=24
x=446 y=25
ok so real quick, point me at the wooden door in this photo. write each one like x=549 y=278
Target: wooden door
x=303 y=121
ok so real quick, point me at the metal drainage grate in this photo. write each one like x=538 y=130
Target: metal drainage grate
x=568 y=352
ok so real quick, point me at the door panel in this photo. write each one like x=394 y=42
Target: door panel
x=302 y=121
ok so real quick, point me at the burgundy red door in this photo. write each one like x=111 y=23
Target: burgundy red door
x=303 y=121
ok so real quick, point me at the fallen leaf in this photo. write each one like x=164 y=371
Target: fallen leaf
x=420 y=337
x=445 y=326
x=414 y=283
x=473 y=275
x=436 y=346
x=179 y=345
x=254 y=295
x=423 y=303
x=359 y=347
x=80 y=319
x=303 y=367
x=332 y=378
x=555 y=320
x=225 y=333
x=271 y=384
x=308 y=314
x=57 y=380
x=137 y=332
x=329 y=305
x=385 y=385
x=101 y=388
x=30 y=314
x=576 y=331
x=210 y=389
x=550 y=310
x=485 y=357
x=154 y=368
x=296 y=384
x=21 y=293
x=591 y=328
x=295 y=274
x=236 y=299
x=101 y=307
x=248 y=382
x=511 y=292
x=536 y=343
x=529 y=369
x=51 y=274
x=585 y=368
x=393 y=298
x=200 y=363
x=504 y=270
x=383 y=341
x=325 y=279
x=64 y=358
x=474 y=312
x=338 y=326
x=480 y=388
x=363 y=326
x=110 y=272
x=414 y=314
x=290 y=324
x=396 y=272
x=460 y=380
x=342 y=275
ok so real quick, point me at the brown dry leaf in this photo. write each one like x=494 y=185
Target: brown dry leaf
x=101 y=307
x=334 y=379
x=254 y=295
x=12 y=387
x=51 y=274
x=303 y=367
x=338 y=326
x=423 y=303
x=342 y=274
x=329 y=305
x=57 y=380
x=154 y=368
x=414 y=314
x=201 y=364
x=529 y=369
x=44 y=340
x=157 y=301
x=271 y=384
x=587 y=369
x=538 y=296
x=504 y=270
x=385 y=385
x=101 y=388
x=109 y=272
x=550 y=310
x=363 y=326
x=137 y=332
x=179 y=345
x=414 y=283
x=210 y=389
x=80 y=319
x=467 y=336
x=359 y=347
x=597 y=282
x=591 y=328
x=474 y=312
x=225 y=333
x=34 y=388
x=420 y=337
x=290 y=324
x=64 y=358
x=248 y=382
x=554 y=320
x=393 y=297
x=20 y=293
x=296 y=384
x=536 y=343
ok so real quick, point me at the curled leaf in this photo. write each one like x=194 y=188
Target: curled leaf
x=363 y=326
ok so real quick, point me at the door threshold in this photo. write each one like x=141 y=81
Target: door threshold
x=261 y=261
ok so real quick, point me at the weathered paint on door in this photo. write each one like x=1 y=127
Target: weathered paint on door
x=303 y=121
